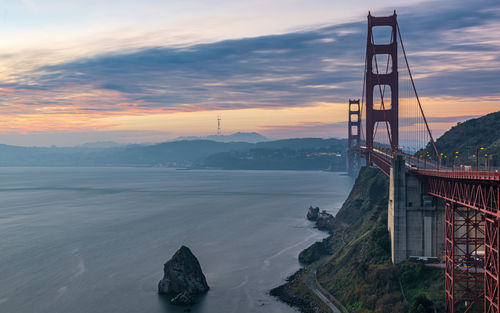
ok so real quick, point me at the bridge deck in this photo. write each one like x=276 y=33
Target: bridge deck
x=466 y=175
x=382 y=158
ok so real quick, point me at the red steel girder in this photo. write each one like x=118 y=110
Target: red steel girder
x=483 y=196
x=464 y=279
x=463 y=175
x=450 y=257
x=491 y=265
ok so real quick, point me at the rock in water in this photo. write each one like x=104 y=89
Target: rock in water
x=182 y=298
x=182 y=274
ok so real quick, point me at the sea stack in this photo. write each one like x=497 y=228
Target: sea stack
x=182 y=277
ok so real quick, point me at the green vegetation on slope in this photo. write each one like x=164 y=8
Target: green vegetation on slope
x=466 y=137
x=360 y=273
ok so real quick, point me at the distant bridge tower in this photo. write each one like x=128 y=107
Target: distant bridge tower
x=354 y=136
x=385 y=112
x=218 y=125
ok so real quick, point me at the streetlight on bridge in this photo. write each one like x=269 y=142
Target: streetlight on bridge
x=453 y=157
x=477 y=157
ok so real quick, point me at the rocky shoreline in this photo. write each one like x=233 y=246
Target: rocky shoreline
x=304 y=300
x=359 y=215
x=285 y=294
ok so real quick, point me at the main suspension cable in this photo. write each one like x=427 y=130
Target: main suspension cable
x=362 y=101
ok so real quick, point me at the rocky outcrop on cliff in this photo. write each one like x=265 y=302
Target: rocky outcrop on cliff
x=314 y=252
x=183 y=277
x=324 y=222
x=305 y=302
x=322 y=218
x=312 y=213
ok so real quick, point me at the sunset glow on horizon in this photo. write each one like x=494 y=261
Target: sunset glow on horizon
x=153 y=71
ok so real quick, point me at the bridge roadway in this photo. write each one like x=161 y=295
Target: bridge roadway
x=383 y=157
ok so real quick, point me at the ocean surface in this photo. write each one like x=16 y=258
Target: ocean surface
x=95 y=239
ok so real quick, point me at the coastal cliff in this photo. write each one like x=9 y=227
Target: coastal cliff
x=353 y=264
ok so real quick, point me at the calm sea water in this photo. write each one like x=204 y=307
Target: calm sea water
x=95 y=239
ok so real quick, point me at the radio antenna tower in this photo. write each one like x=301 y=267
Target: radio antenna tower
x=218 y=125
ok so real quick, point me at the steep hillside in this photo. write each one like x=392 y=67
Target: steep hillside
x=466 y=137
x=354 y=265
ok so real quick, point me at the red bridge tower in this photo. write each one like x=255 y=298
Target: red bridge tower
x=354 y=137
x=384 y=112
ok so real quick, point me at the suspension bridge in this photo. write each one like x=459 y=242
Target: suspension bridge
x=434 y=210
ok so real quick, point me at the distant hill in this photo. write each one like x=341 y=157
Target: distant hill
x=236 y=137
x=100 y=144
x=292 y=154
x=288 y=154
x=175 y=154
x=303 y=143
x=178 y=153
x=466 y=137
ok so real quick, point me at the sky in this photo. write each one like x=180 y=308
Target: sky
x=149 y=71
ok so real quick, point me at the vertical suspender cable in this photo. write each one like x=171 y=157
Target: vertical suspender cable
x=416 y=95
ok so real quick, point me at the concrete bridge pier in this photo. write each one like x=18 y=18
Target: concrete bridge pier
x=415 y=220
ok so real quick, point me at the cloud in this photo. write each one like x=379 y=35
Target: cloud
x=255 y=72
x=409 y=122
x=73 y=138
x=452 y=47
x=315 y=129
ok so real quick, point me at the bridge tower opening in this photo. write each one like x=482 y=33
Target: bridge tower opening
x=385 y=112
x=354 y=137
x=218 y=125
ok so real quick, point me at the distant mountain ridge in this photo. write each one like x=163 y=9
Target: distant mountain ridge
x=290 y=154
x=286 y=154
x=100 y=144
x=236 y=137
